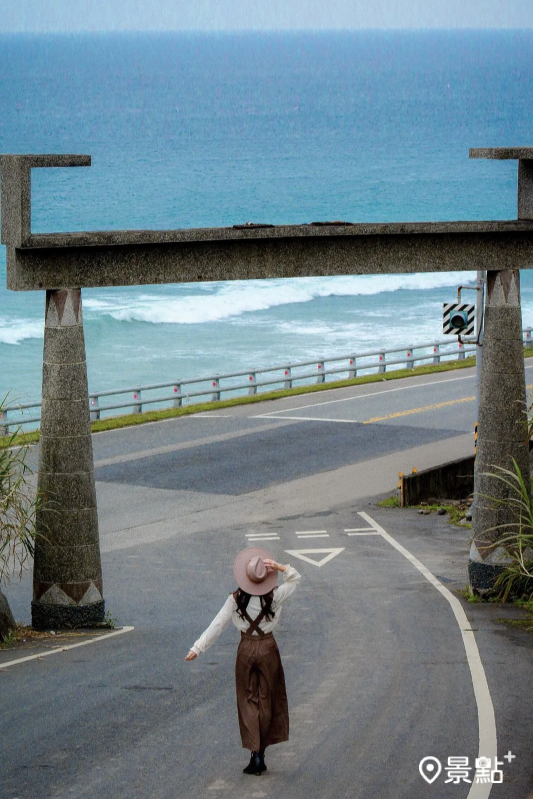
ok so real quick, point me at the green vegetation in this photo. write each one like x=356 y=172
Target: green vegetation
x=524 y=603
x=390 y=502
x=516 y=538
x=17 y=510
x=21 y=634
x=7 y=641
x=108 y=622
x=456 y=513
x=18 y=507
x=467 y=594
x=526 y=624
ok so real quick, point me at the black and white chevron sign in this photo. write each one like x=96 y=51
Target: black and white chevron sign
x=451 y=318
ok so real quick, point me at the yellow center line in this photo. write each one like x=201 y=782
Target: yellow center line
x=422 y=410
x=418 y=410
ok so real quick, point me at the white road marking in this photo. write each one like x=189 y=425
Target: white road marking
x=485 y=708
x=360 y=530
x=312 y=419
x=302 y=554
x=312 y=535
x=218 y=785
x=373 y=533
x=265 y=538
x=418 y=386
x=65 y=648
x=309 y=532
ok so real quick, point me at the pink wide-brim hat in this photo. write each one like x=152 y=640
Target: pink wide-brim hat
x=251 y=573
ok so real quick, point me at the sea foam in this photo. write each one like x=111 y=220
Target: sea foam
x=13 y=331
x=232 y=299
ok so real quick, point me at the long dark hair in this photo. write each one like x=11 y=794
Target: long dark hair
x=242 y=598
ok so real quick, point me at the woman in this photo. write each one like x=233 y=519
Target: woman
x=255 y=609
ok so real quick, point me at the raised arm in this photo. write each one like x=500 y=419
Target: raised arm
x=291 y=578
x=217 y=626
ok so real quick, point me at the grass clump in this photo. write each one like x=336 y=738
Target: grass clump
x=456 y=513
x=389 y=502
x=108 y=622
x=21 y=634
x=469 y=595
x=525 y=603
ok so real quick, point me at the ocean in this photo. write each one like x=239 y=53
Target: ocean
x=192 y=130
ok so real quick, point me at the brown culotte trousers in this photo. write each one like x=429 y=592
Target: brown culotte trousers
x=261 y=693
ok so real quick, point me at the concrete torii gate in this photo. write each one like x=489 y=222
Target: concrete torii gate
x=67 y=582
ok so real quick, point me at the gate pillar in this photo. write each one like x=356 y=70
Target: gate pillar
x=67 y=579
x=501 y=426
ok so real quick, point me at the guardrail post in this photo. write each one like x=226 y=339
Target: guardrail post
x=527 y=341
x=137 y=408
x=288 y=378
x=253 y=384
x=461 y=351
x=436 y=353
x=216 y=394
x=178 y=401
x=410 y=359
x=4 y=425
x=321 y=376
x=95 y=409
x=352 y=372
x=382 y=365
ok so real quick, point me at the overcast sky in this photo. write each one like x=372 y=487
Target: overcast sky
x=209 y=15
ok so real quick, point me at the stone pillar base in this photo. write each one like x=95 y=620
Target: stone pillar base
x=482 y=577
x=53 y=617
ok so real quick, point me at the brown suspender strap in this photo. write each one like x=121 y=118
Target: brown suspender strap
x=254 y=623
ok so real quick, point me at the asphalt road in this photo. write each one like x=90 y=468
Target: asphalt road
x=375 y=663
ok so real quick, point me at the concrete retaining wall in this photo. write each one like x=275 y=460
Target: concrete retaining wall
x=452 y=480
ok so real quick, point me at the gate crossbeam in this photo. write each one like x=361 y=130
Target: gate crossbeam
x=143 y=257
x=152 y=257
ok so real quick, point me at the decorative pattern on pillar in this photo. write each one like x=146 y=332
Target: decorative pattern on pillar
x=67 y=577
x=501 y=425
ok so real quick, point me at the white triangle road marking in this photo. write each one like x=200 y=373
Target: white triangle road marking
x=303 y=553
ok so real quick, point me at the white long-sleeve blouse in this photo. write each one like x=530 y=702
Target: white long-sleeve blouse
x=228 y=612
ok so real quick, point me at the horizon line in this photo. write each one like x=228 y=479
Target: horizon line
x=233 y=31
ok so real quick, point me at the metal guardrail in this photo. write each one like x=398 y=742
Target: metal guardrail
x=284 y=378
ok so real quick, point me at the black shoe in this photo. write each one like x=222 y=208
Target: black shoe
x=254 y=766
x=262 y=760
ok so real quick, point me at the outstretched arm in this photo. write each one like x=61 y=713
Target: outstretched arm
x=217 y=626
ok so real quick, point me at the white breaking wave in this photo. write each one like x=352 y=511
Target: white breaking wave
x=13 y=331
x=232 y=299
